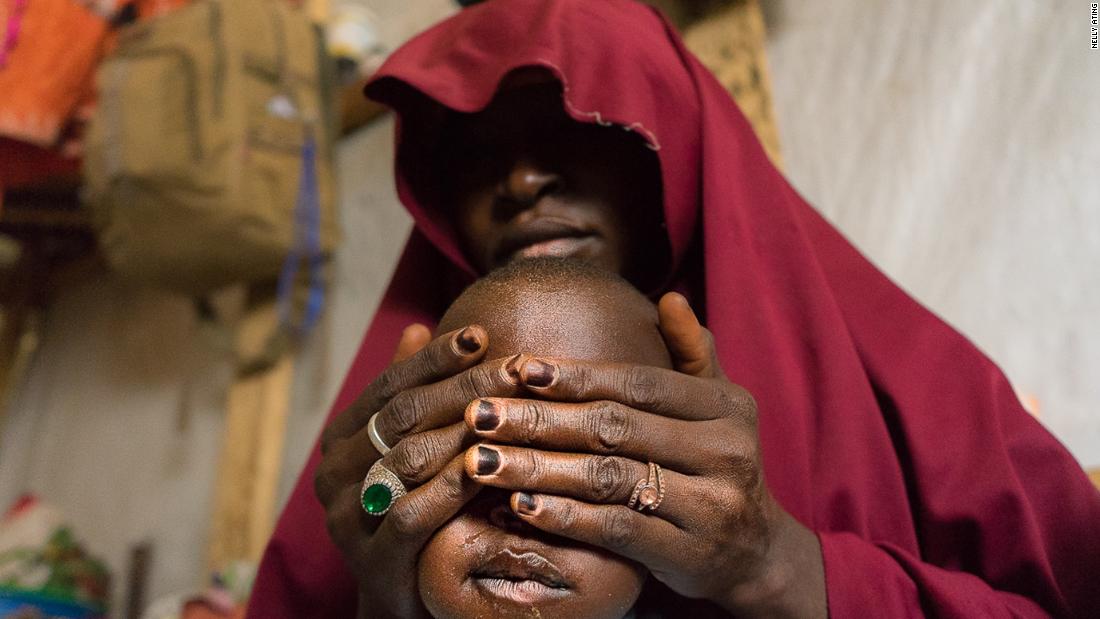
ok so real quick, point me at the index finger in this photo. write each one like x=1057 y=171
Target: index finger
x=444 y=356
x=415 y=517
x=443 y=403
x=656 y=390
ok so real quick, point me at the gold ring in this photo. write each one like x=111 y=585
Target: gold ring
x=649 y=492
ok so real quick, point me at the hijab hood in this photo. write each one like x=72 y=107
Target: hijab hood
x=637 y=83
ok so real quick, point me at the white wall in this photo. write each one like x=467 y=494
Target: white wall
x=958 y=145
x=119 y=425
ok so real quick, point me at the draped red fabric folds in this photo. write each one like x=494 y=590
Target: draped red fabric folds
x=883 y=429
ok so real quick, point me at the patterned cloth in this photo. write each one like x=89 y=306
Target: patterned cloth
x=43 y=567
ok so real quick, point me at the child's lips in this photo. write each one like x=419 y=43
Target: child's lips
x=525 y=592
x=525 y=578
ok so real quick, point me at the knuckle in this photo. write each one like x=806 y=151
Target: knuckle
x=404 y=412
x=643 y=387
x=385 y=385
x=405 y=518
x=322 y=485
x=339 y=519
x=452 y=476
x=605 y=477
x=330 y=471
x=617 y=530
x=437 y=357
x=328 y=435
x=532 y=422
x=483 y=379
x=730 y=510
x=744 y=470
x=578 y=377
x=741 y=458
x=411 y=457
x=737 y=403
x=567 y=516
x=343 y=425
x=451 y=491
x=333 y=526
x=612 y=426
x=534 y=469
x=475 y=383
x=746 y=406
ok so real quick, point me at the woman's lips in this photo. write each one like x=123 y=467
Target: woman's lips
x=568 y=246
x=544 y=236
x=524 y=578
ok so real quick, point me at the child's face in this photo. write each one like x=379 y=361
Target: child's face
x=486 y=562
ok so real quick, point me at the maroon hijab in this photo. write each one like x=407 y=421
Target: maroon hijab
x=883 y=429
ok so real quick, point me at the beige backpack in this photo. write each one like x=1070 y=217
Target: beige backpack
x=208 y=159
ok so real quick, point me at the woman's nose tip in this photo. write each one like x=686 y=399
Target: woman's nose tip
x=526 y=183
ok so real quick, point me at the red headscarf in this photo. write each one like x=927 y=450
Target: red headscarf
x=883 y=429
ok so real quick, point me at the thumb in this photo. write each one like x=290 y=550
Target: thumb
x=690 y=344
x=413 y=338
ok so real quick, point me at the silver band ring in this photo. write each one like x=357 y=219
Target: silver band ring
x=381 y=487
x=375 y=437
x=649 y=492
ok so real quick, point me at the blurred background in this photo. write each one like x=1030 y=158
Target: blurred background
x=198 y=219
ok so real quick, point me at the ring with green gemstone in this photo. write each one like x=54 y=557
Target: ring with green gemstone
x=381 y=488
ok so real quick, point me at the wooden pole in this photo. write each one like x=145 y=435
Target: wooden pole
x=729 y=39
x=252 y=451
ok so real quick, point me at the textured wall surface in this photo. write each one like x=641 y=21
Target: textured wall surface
x=119 y=424
x=958 y=145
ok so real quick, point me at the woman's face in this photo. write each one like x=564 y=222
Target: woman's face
x=526 y=180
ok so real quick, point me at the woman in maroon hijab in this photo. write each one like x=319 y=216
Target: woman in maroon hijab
x=882 y=466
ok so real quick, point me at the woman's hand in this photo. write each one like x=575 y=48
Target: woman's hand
x=577 y=456
x=385 y=562
x=420 y=399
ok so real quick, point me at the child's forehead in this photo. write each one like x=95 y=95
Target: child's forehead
x=586 y=321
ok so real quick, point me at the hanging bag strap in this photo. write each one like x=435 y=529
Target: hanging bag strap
x=306 y=249
x=307 y=214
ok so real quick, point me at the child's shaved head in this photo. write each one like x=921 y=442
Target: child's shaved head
x=486 y=562
x=561 y=307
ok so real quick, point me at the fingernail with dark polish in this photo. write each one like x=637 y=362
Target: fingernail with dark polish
x=488 y=461
x=486 y=417
x=538 y=373
x=467 y=341
x=525 y=503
